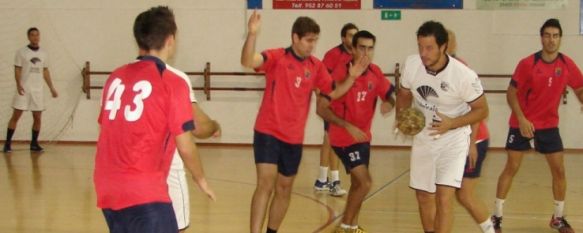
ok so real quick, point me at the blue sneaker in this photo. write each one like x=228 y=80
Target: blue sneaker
x=322 y=186
x=336 y=190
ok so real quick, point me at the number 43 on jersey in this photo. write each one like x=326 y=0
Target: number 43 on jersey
x=142 y=91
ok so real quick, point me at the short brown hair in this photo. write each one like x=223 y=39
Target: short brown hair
x=152 y=27
x=304 y=25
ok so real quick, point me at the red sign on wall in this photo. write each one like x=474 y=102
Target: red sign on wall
x=316 y=4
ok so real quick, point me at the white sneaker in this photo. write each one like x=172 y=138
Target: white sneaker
x=336 y=190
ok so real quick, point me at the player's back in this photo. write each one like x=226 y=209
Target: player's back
x=135 y=139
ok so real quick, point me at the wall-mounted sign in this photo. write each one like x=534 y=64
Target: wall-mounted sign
x=316 y=4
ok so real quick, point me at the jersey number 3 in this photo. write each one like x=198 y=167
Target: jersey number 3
x=142 y=89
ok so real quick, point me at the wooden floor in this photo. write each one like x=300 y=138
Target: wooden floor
x=53 y=192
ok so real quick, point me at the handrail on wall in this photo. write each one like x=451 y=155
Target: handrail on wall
x=86 y=73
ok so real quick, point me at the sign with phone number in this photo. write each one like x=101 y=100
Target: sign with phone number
x=316 y=4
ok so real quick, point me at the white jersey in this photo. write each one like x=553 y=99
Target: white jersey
x=177 y=161
x=32 y=63
x=448 y=91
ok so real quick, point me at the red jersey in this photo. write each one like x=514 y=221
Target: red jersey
x=357 y=106
x=144 y=107
x=335 y=56
x=540 y=87
x=289 y=83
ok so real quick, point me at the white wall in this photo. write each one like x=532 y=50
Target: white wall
x=100 y=32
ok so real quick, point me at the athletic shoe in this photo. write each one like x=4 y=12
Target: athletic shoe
x=7 y=148
x=322 y=186
x=497 y=222
x=36 y=147
x=343 y=230
x=561 y=225
x=336 y=190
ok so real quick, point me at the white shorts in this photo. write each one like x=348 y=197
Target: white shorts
x=439 y=162
x=31 y=100
x=178 y=191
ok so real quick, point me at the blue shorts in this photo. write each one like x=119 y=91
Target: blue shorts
x=269 y=149
x=546 y=141
x=354 y=155
x=147 y=218
x=475 y=172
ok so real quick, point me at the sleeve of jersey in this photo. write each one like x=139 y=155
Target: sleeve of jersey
x=323 y=80
x=180 y=115
x=471 y=87
x=269 y=58
x=520 y=75
x=575 y=77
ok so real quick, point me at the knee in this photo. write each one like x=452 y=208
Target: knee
x=558 y=172
x=425 y=198
x=463 y=198
x=265 y=186
x=283 y=190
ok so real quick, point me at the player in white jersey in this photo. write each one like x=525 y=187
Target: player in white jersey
x=31 y=66
x=177 y=185
x=450 y=96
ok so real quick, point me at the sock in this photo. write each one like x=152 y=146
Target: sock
x=9 y=134
x=487 y=226
x=269 y=230
x=354 y=227
x=345 y=226
x=323 y=174
x=498 y=209
x=559 y=207
x=34 y=137
x=335 y=175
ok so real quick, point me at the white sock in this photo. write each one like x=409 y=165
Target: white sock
x=345 y=226
x=335 y=175
x=323 y=174
x=354 y=227
x=559 y=207
x=487 y=226
x=499 y=203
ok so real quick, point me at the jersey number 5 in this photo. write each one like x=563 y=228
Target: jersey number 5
x=142 y=89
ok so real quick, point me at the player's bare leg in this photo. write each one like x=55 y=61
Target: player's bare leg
x=444 y=215
x=427 y=209
x=361 y=183
x=476 y=207
x=280 y=202
x=513 y=162
x=266 y=177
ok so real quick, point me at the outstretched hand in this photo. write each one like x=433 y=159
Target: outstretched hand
x=254 y=23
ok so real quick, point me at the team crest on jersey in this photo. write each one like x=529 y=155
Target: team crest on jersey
x=426 y=91
x=370 y=86
x=34 y=60
x=307 y=73
x=558 y=72
x=444 y=86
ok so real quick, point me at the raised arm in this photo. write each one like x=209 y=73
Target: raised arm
x=354 y=72
x=250 y=58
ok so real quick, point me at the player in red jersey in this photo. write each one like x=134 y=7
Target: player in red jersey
x=292 y=74
x=534 y=95
x=351 y=122
x=341 y=54
x=145 y=115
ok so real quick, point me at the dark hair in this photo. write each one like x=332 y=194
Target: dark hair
x=152 y=27
x=363 y=34
x=346 y=27
x=304 y=25
x=31 y=30
x=435 y=29
x=553 y=23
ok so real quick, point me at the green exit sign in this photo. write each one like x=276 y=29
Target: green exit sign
x=391 y=15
